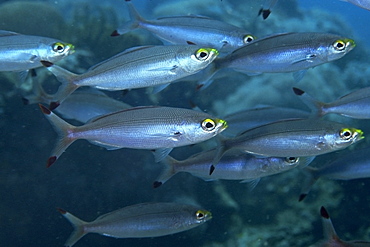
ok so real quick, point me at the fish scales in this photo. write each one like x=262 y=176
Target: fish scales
x=139 y=127
x=287 y=52
x=140 y=221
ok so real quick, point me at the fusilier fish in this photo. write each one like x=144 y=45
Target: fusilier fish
x=331 y=237
x=354 y=105
x=353 y=165
x=20 y=52
x=150 y=127
x=139 y=221
x=282 y=53
x=82 y=105
x=233 y=166
x=292 y=138
x=138 y=67
x=199 y=30
x=240 y=121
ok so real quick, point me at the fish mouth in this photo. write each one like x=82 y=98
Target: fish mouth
x=71 y=48
x=222 y=123
x=358 y=135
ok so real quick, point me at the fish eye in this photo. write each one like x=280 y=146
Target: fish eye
x=58 y=47
x=202 y=54
x=248 y=38
x=339 y=45
x=292 y=160
x=345 y=134
x=200 y=215
x=208 y=124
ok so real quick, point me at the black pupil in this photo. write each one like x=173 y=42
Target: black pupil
x=203 y=54
x=291 y=158
x=249 y=39
x=209 y=125
x=200 y=215
x=347 y=134
x=340 y=45
x=59 y=48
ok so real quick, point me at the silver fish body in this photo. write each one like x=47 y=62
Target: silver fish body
x=20 y=52
x=84 y=105
x=140 y=221
x=353 y=165
x=199 y=30
x=232 y=166
x=241 y=121
x=139 y=128
x=287 y=52
x=292 y=138
x=138 y=67
x=354 y=105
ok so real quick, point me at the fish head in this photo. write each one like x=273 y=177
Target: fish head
x=204 y=129
x=59 y=50
x=236 y=40
x=347 y=136
x=340 y=47
x=199 y=59
x=202 y=216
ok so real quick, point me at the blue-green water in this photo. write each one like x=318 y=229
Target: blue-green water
x=89 y=181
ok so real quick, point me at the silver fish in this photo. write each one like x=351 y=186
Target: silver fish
x=292 y=138
x=199 y=30
x=137 y=67
x=232 y=166
x=282 y=53
x=20 y=52
x=139 y=221
x=354 y=105
x=241 y=121
x=82 y=105
x=353 y=165
x=365 y=4
x=331 y=237
x=150 y=127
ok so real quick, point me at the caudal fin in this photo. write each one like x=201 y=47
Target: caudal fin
x=167 y=173
x=63 y=129
x=329 y=231
x=134 y=23
x=310 y=180
x=78 y=225
x=317 y=107
x=67 y=79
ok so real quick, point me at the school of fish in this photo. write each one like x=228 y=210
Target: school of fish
x=250 y=144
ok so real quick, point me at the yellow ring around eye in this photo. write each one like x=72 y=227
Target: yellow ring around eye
x=248 y=38
x=339 y=45
x=346 y=134
x=208 y=124
x=202 y=54
x=58 y=47
x=201 y=214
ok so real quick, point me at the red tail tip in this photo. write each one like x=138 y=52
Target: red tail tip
x=324 y=213
x=51 y=161
x=44 y=110
x=114 y=34
x=62 y=211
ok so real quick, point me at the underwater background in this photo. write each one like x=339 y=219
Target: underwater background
x=89 y=181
